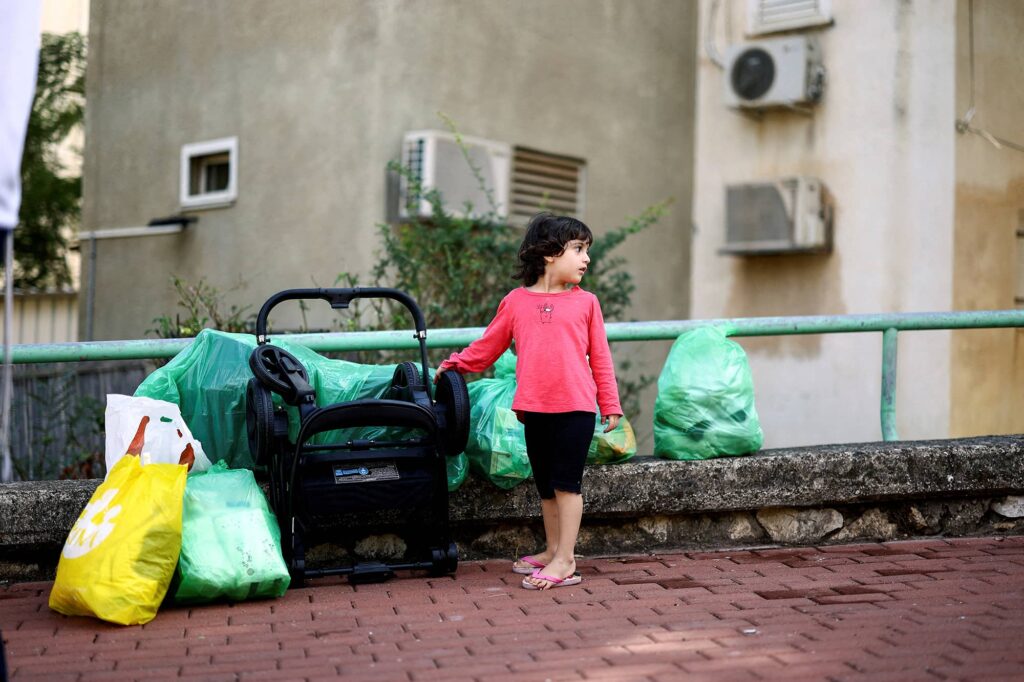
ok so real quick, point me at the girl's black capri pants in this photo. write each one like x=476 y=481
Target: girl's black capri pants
x=557 y=445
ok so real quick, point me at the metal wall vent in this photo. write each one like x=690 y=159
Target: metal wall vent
x=545 y=182
x=770 y=16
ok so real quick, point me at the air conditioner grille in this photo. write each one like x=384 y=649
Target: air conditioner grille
x=545 y=182
x=462 y=186
x=414 y=159
x=471 y=175
x=758 y=213
x=786 y=215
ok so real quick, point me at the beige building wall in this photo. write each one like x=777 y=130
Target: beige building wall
x=988 y=366
x=320 y=94
x=64 y=16
x=882 y=140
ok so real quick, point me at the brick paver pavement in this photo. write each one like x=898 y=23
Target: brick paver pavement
x=923 y=610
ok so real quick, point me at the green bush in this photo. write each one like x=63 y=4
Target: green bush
x=204 y=308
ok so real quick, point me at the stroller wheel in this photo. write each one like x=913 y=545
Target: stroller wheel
x=405 y=380
x=452 y=557
x=297 y=573
x=275 y=368
x=453 y=403
x=438 y=564
x=259 y=420
x=444 y=561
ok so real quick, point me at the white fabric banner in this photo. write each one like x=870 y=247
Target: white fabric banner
x=19 y=59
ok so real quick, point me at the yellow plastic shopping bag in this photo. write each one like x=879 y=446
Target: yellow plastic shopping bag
x=121 y=553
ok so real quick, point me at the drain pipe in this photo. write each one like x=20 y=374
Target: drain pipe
x=157 y=226
x=709 y=36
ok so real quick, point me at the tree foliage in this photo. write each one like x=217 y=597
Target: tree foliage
x=51 y=198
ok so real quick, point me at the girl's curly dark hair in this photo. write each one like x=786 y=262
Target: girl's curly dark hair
x=547 y=235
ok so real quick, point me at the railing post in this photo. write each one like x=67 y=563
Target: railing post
x=889 y=385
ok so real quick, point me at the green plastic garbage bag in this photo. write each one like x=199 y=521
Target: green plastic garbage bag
x=497 y=442
x=230 y=541
x=207 y=381
x=614 y=447
x=497 y=439
x=457 y=471
x=705 y=403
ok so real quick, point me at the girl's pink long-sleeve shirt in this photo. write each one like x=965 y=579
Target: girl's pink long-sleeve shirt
x=554 y=334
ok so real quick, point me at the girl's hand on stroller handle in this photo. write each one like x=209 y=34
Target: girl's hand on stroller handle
x=438 y=373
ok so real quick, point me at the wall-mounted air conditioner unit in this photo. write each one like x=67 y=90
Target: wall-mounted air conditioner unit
x=436 y=161
x=789 y=215
x=782 y=72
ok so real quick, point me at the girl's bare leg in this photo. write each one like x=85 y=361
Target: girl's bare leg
x=569 y=515
x=549 y=512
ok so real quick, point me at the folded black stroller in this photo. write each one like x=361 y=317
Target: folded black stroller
x=316 y=485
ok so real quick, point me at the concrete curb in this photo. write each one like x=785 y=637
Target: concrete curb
x=648 y=500
x=794 y=477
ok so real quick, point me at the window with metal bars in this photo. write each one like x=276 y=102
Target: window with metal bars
x=545 y=182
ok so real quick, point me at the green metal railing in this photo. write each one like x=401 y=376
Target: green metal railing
x=889 y=324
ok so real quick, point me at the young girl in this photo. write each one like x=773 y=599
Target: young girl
x=563 y=368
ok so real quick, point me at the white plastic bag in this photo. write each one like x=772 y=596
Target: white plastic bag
x=152 y=429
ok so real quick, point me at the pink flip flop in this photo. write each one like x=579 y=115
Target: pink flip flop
x=569 y=581
x=527 y=570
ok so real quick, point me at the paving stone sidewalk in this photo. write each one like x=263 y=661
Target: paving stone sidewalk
x=922 y=610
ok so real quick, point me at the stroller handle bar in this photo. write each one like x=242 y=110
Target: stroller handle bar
x=339 y=298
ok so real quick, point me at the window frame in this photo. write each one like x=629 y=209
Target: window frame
x=194 y=150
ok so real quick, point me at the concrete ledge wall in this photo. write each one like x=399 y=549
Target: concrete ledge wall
x=797 y=477
x=834 y=493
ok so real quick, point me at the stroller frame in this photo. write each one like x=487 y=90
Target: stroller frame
x=313 y=484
